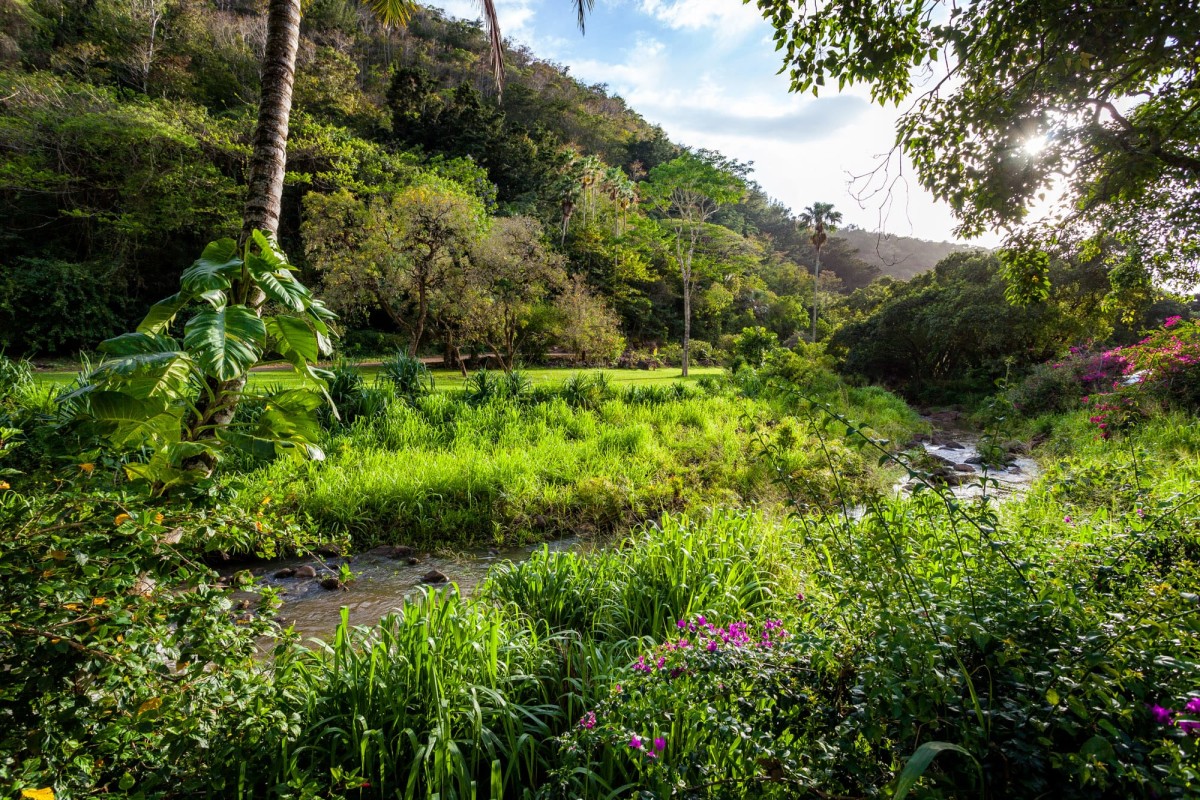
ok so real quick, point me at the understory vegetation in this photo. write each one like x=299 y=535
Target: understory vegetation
x=1048 y=644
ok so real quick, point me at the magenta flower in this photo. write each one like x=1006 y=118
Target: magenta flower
x=1193 y=706
x=682 y=624
x=1067 y=519
x=1161 y=715
x=1189 y=726
x=588 y=720
x=635 y=742
x=660 y=744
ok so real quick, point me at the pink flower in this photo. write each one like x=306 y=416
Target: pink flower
x=1189 y=726
x=1193 y=706
x=1161 y=715
x=588 y=720
x=635 y=742
x=1172 y=321
x=660 y=744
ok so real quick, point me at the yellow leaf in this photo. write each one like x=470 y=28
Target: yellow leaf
x=58 y=555
x=122 y=518
x=88 y=467
x=99 y=601
x=46 y=573
x=150 y=705
x=158 y=518
x=72 y=606
x=38 y=794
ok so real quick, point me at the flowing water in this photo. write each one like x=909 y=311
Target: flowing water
x=379 y=585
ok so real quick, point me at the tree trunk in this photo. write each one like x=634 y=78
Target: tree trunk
x=264 y=190
x=268 y=162
x=816 y=279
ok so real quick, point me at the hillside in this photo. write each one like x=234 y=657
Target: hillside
x=126 y=133
x=901 y=257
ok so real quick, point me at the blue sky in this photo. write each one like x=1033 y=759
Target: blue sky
x=706 y=71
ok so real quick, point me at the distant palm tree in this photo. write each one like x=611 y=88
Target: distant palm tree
x=818 y=218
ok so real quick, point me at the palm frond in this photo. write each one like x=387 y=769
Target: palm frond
x=392 y=12
x=491 y=24
x=582 y=7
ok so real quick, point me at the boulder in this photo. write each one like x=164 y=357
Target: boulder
x=963 y=468
x=433 y=576
x=286 y=572
x=412 y=561
x=307 y=571
x=332 y=584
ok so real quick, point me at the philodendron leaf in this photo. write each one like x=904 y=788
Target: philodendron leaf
x=919 y=761
x=277 y=283
x=225 y=342
x=293 y=335
x=214 y=270
x=162 y=314
x=128 y=344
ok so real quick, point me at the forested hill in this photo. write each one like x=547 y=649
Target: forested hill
x=124 y=129
x=901 y=257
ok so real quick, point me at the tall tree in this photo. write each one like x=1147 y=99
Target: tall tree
x=689 y=190
x=393 y=253
x=818 y=219
x=1018 y=101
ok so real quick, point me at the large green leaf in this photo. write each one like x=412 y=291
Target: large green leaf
x=225 y=342
x=278 y=285
x=129 y=344
x=162 y=314
x=919 y=761
x=293 y=335
x=216 y=267
x=142 y=375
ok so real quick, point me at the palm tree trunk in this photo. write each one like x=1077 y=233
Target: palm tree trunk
x=264 y=190
x=816 y=279
x=268 y=160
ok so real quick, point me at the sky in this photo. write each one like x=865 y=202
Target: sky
x=706 y=71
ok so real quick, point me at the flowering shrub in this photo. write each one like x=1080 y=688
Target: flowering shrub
x=712 y=705
x=1058 y=385
x=1162 y=369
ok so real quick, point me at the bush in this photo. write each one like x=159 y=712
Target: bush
x=408 y=376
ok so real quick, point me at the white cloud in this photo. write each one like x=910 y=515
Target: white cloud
x=516 y=16
x=730 y=17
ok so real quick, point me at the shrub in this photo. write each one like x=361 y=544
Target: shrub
x=408 y=376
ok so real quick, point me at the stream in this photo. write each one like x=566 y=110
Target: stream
x=380 y=583
x=379 y=586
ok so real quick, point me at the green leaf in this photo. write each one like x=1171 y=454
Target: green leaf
x=129 y=344
x=919 y=761
x=162 y=314
x=275 y=279
x=293 y=335
x=216 y=267
x=143 y=375
x=225 y=342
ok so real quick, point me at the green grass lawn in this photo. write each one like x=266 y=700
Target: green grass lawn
x=445 y=379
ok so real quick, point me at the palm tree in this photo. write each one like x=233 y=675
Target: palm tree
x=268 y=159
x=818 y=218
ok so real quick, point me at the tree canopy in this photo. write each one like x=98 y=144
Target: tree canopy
x=1016 y=102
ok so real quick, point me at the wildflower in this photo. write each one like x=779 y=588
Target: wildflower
x=800 y=596
x=266 y=500
x=158 y=518
x=4 y=485
x=122 y=518
x=588 y=720
x=1189 y=726
x=682 y=624
x=88 y=467
x=660 y=744
x=1193 y=706
x=1067 y=519
x=1171 y=322
x=635 y=742
x=1161 y=715
x=701 y=620
x=1141 y=512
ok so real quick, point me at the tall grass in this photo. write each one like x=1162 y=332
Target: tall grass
x=504 y=464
